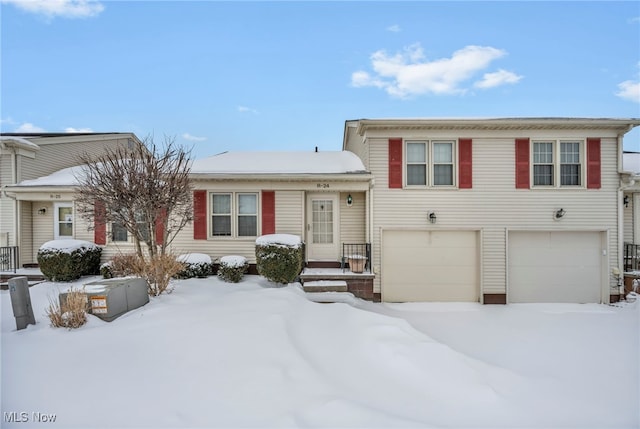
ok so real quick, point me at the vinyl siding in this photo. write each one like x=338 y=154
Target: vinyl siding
x=7 y=205
x=57 y=156
x=494 y=205
x=352 y=219
x=290 y=212
x=42 y=228
x=628 y=220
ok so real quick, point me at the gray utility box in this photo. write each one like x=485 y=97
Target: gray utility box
x=111 y=298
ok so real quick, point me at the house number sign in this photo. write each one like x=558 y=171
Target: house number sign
x=322 y=186
x=55 y=196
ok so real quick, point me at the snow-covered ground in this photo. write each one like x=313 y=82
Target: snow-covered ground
x=213 y=354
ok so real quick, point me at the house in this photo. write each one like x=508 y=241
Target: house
x=42 y=210
x=505 y=210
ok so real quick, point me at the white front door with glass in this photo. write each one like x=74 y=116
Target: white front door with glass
x=322 y=227
x=63 y=220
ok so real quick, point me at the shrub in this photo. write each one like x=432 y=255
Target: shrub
x=195 y=265
x=158 y=272
x=71 y=313
x=66 y=260
x=279 y=257
x=122 y=265
x=232 y=268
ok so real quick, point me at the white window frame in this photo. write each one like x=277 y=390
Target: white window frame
x=430 y=163
x=129 y=239
x=557 y=163
x=57 y=221
x=235 y=215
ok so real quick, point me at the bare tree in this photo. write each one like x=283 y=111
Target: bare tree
x=143 y=188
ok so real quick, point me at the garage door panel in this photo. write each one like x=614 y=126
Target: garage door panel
x=557 y=266
x=430 y=266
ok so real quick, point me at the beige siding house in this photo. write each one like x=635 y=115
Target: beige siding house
x=494 y=210
x=32 y=215
x=511 y=210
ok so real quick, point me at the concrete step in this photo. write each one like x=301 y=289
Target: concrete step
x=325 y=286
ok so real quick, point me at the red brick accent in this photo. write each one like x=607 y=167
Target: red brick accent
x=495 y=298
x=361 y=288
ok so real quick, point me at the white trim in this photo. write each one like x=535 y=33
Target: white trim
x=57 y=220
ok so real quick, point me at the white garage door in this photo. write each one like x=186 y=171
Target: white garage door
x=430 y=266
x=555 y=267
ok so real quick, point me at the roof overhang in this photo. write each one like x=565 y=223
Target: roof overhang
x=284 y=177
x=622 y=125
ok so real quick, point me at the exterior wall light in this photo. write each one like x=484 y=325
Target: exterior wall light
x=432 y=217
x=559 y=214
x=349 y=200
x=42 y=211
x=626 y=201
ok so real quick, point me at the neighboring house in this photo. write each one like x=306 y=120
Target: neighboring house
x=630 y=185
x=37 y=214
x=479 y=210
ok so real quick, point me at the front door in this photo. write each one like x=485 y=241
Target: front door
x=322 y=227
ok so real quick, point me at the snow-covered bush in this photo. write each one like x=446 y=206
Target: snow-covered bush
x=195 y=265
x=279 y=257
x=66 y=260
x=70 y=312
x=232 y=268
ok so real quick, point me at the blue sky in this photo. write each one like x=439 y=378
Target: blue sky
x=286 y=75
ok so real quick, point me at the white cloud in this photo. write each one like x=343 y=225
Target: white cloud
x=189 y=137
x=629 y=90
x=409 y=73
x=77 y=130
x=245 y=109
x=501 y=77
x=63 y=8
x=394 y=28
x=28 y=127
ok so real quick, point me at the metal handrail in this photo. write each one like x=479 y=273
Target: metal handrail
x=358 y=250
x=9 y=258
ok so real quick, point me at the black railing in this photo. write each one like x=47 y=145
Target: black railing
x=631 y=256
x=9 y=258
x=358 y=256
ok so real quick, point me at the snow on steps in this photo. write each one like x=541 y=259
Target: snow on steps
x=328 y=291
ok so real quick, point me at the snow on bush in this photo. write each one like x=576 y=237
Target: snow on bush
x=195 y=265
x=232 y=268
x=279 y=257
x=66 y=260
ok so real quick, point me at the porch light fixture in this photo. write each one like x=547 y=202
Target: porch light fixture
x=432 y=217
x=626 y=201
x=349 y=200
x=42 y=211
x=559 y=214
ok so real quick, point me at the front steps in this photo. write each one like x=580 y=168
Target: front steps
x=337 y=280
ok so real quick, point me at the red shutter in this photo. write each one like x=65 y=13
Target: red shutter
x=465 y=164
x=200 y=215
x=593 y=163
x=99 y=225
x=160 y=226
x=268 y=212
x=522 y=163
x=395 y=163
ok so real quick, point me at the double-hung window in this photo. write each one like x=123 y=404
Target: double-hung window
x=430 y=163
x=548 y=172
x=120 y=234
x=234 y=214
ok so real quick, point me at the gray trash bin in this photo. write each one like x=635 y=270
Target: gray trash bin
x=21 y=302
x=111 y=298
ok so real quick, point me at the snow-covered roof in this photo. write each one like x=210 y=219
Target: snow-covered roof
x=334 y=162
x=64 y=177
x=18 y=141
